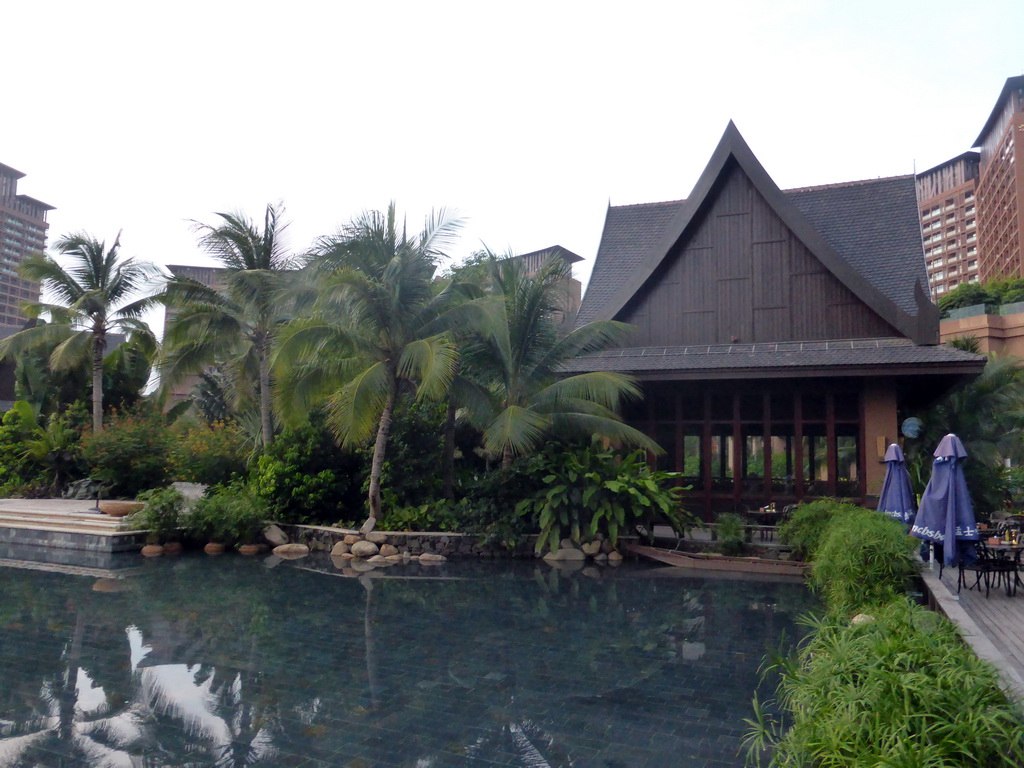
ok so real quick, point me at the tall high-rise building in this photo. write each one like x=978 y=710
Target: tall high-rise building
x=22 y=233
x=946 y=198
x=1001 y=185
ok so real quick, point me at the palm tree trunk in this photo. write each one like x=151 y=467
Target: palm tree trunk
x=99 y=342
x=379 y=449
x=448 y=487
x=506 y=457
x=266 y=424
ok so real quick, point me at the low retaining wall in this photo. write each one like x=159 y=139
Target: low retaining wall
x=452 y=545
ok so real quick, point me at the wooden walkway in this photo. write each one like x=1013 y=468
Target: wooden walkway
x=993 y=626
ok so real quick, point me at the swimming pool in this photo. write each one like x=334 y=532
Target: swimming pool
x=197 y=660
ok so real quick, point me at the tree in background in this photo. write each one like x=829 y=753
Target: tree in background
x=233 y=327
x=93 y=299
x=993 y=294
x=987 y=414
x=522 y=395
x=377 y=332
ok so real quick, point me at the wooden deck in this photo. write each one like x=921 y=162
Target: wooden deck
x=993 y=626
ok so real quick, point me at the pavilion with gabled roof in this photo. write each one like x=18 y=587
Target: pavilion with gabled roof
x=779 y=335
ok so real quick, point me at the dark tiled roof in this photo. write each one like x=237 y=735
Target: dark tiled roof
x=787 y=356
x=630 y=231
x=872 y=225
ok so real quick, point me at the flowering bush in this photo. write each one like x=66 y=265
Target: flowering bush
x=211 y=454
x=130 y=454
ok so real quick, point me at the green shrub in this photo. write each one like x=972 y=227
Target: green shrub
x=305 y=478
x=435 y=516
x=597 y=490
x=865 y=559
x=806 y=527
x=211 y=454
x=898 y=690
x=162 y=515
x=230 y=514
x=130 y=454
x=731 y=529
x=16 y=428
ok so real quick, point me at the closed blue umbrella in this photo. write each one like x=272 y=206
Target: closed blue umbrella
x=897 y=498
x=945 y=515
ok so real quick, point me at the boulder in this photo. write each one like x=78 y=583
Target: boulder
x=387 y=550
x=397 y=558
x=862 y=618
x=291 y=551
x=566 y=544
x=275 y=536
x=571 y=554
x=428 y=557
x=614 y=557
x=377 y=537
x=364 y=549
x=606 y=546
x=368 y=526
x=378 y=560
x=352 y=538
x=339 y=549
x=568 y=566
x=600 y=557
x=591 y=548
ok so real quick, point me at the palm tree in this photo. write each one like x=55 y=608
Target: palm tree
x=235 y=325
x=377 y=333
x=90 y=295
x=987 y=414
x=522 y=395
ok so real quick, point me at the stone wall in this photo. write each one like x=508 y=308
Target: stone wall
x=452 y=545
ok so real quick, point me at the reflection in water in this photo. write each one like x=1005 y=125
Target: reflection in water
x=201 y=661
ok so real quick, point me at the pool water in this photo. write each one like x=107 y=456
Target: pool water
x=231 y=661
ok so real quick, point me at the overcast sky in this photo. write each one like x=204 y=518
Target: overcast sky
x=526 y=117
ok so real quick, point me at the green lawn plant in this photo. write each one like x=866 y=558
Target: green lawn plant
x=594 y=490
x=865 y=558
x=731 y=531
x=805 y=528
x=879 y=680
x=899 y=690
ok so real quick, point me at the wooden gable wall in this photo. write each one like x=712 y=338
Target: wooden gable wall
x=741 y=275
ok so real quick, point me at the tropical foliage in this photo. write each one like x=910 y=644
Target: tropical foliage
x=992 y=294
x=131 y=455
x=595 y=490
x=516 y=391
x=879 y=680
x=987 y=414
x=233 y=325
x=95 y=295
x=377 y=332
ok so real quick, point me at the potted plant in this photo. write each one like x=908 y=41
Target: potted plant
x=232 y=513
x=161 y=515
x=249 y=514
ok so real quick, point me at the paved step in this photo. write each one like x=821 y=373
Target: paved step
x=57 y=522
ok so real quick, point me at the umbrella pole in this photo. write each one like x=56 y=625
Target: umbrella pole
x=931 y=555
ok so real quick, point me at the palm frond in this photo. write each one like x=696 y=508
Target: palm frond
x=430 y=364
x=354 y=410
x=75 y=350
x=519 y=429
x=589 y=425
